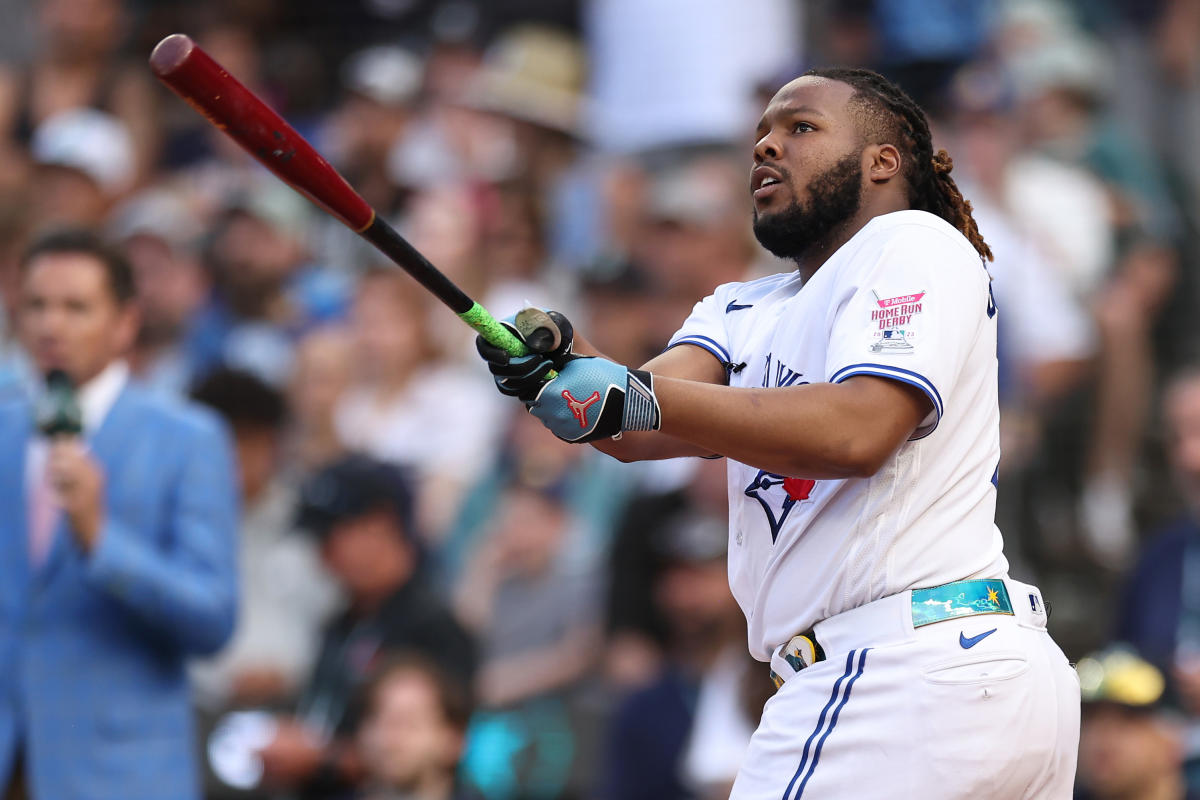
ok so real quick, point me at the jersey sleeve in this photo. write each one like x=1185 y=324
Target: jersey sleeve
x=705 y=327
x=910 y=314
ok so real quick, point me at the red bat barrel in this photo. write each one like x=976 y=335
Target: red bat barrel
x=229 y=105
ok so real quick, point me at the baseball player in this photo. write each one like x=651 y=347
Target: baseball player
x=854 y=400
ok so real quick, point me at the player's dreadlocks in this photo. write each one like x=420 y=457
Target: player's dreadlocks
x=894 y=116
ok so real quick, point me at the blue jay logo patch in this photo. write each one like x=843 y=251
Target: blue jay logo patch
x=778 y=504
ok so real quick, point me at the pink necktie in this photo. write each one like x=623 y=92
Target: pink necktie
x=42 y=516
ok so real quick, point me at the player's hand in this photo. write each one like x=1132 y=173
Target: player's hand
x=293 y=755
x=78 y=482
x=593 y=398
x=548 y=335
x=258 y=685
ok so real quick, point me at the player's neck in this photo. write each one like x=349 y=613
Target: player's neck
x=873 y=205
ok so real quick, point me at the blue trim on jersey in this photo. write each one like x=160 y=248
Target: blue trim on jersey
x=862 y=661
x=918 y=381
x=724 y=363
x=886 y=370
x=721 y=357
x=833 y=697
x=711 y=345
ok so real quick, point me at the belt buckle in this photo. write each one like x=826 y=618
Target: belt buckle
x=801 y=652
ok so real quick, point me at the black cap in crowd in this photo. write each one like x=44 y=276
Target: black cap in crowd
x=351 y=487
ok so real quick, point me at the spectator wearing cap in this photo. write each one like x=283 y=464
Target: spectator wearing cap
x=696 y=237
x=682 y=735
x=286 y=593
x=1130 y=743
x=376 y=109
x=265 y=291
x=160 y=237
x=85 y=163
x=117 y=546
x=360 y=510
x=532 y=82
x=413 y=732
x=537 y=618
x=381 y=87
x=76 y=63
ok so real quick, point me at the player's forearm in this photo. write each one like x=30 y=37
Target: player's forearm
x=648 y=447
x=683 y=362
x=821 y=431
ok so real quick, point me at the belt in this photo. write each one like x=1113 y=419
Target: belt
x=928 y=606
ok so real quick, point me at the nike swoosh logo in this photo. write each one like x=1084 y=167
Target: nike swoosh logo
x=735 y=306
x=967 y=644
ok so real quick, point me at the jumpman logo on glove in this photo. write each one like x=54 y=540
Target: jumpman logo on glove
x=580 y=407
x=624 y=400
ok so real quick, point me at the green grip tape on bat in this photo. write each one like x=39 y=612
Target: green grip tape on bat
x=490 y=329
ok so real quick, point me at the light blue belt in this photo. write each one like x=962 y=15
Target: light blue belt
x=935 y=604
x=959 y=599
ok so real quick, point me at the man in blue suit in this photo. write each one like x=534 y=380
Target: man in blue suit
x=117 y=551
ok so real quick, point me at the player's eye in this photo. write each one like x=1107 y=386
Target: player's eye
x=802 y=127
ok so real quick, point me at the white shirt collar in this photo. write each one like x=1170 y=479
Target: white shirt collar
x=96 y=397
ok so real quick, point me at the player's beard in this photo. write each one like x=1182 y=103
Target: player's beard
x=834 y=197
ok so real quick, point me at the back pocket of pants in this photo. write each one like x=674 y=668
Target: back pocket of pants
x=977 y=668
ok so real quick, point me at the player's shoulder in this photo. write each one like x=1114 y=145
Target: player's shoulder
x=740 y=292
x=916 y=230
x=907 y=246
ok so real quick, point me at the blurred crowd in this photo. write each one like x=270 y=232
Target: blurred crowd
x=440 y=600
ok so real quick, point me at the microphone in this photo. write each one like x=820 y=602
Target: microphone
x=58 y=412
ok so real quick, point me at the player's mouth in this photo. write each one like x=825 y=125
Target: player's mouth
x=764 y=182
x=49 y=355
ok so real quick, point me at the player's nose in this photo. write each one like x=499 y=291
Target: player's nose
x=767 y=149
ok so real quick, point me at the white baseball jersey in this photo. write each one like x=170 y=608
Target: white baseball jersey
x=906 y=299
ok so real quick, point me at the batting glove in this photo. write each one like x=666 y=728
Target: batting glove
x=592 y=398
x=524 y=376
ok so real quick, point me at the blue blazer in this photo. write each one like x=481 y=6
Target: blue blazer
x=92 y=647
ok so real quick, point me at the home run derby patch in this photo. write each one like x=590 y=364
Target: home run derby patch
x=894 y=320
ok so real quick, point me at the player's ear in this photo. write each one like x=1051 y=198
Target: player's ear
x=883 y=162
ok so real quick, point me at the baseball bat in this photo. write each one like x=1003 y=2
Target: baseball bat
x=207 y=87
